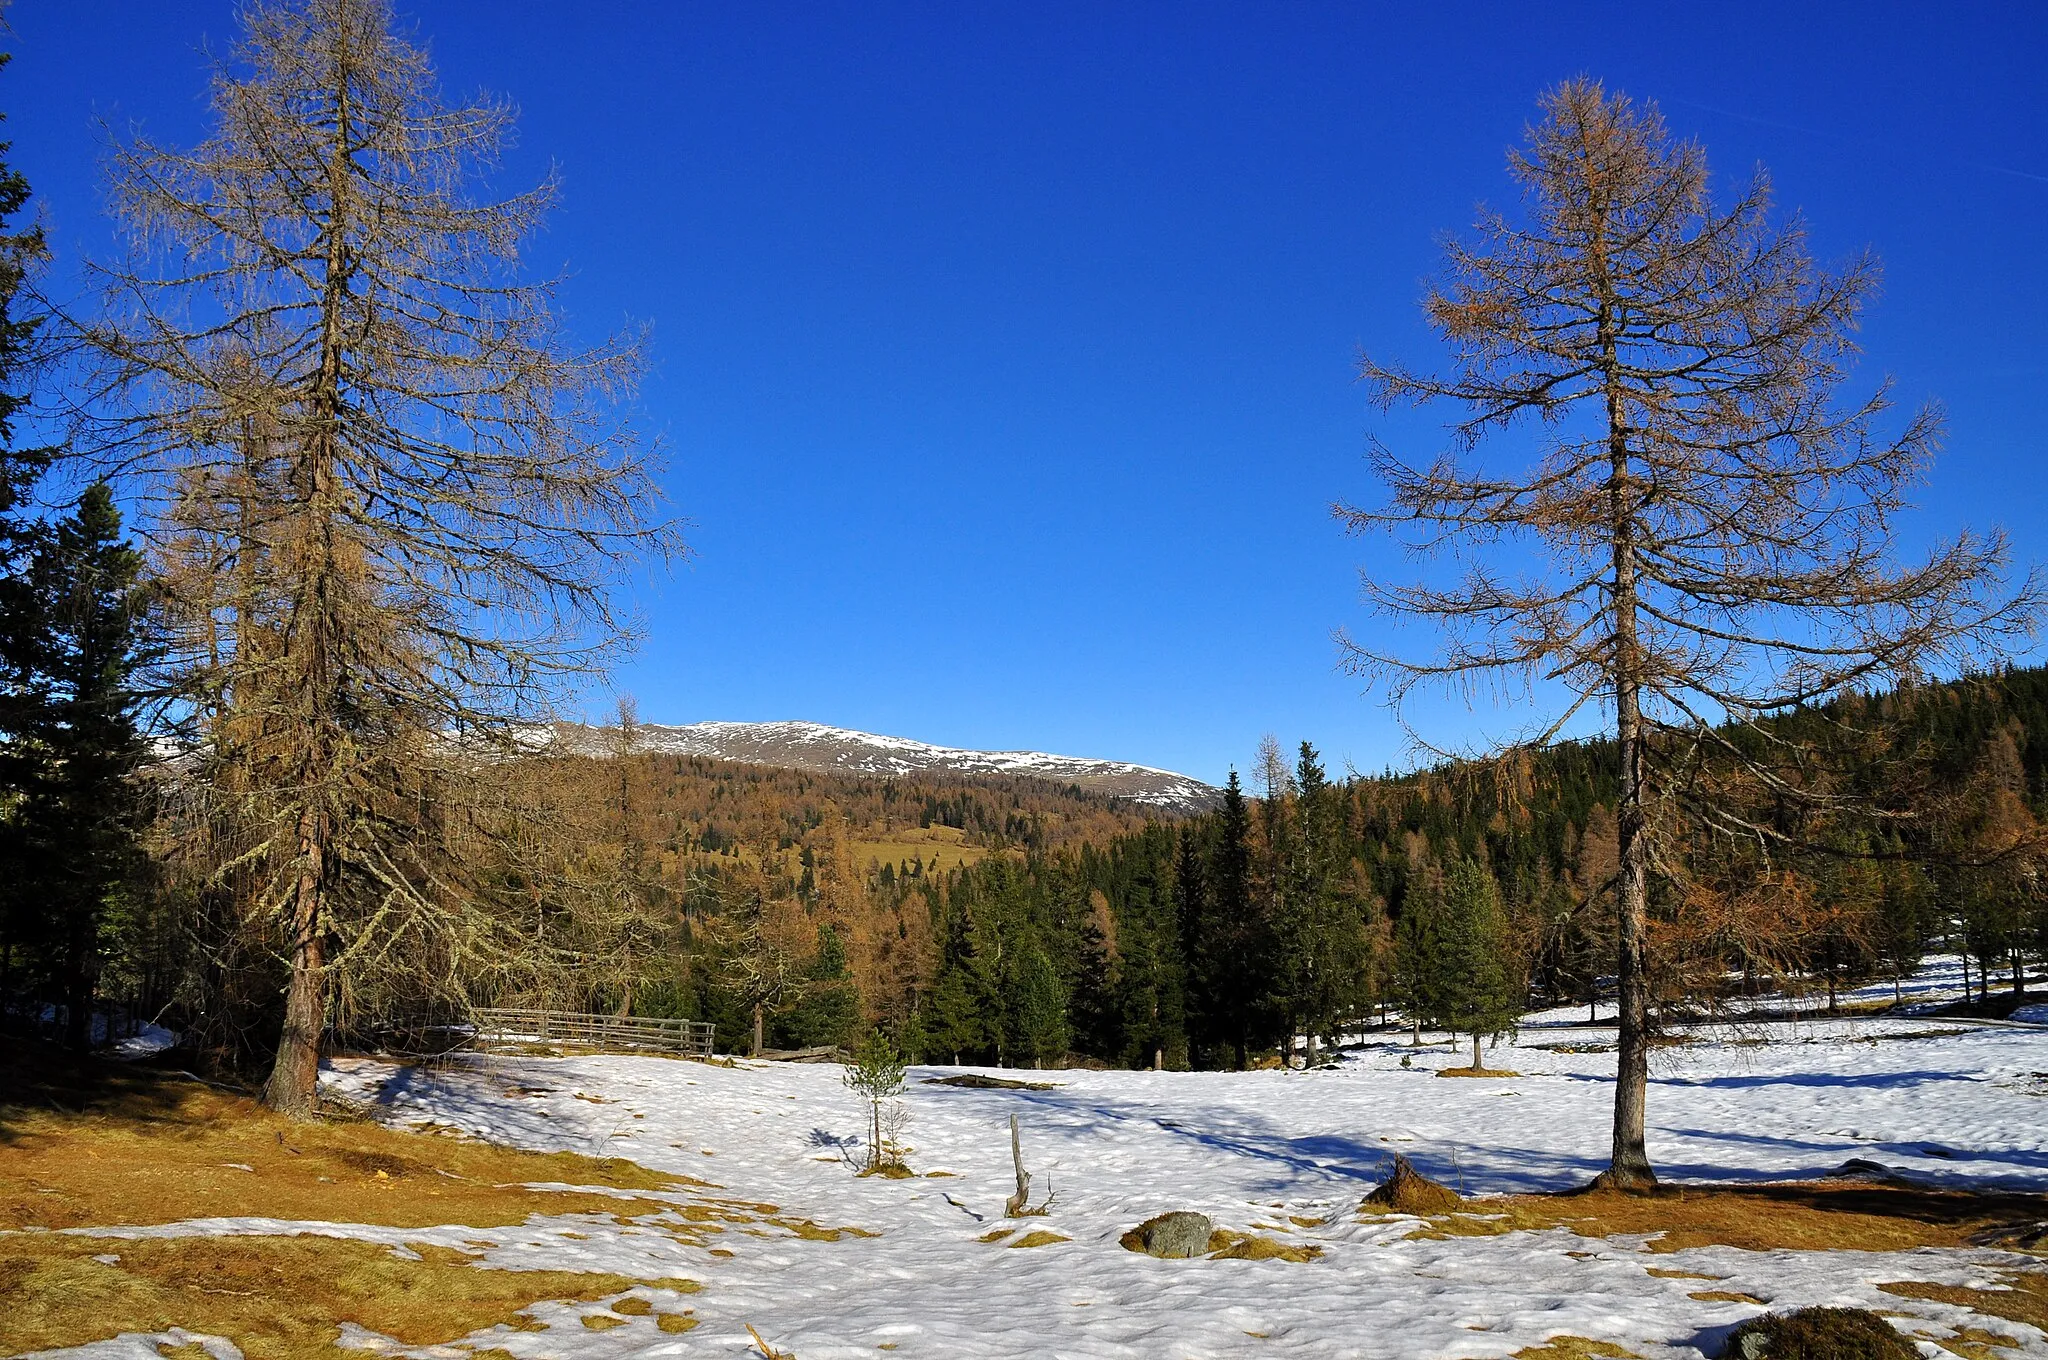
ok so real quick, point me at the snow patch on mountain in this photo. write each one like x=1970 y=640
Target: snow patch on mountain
x=838 y=750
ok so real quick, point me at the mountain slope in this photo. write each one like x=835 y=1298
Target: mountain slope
x=835 y=750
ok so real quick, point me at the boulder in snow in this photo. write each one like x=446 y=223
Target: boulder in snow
x=1174 y=1237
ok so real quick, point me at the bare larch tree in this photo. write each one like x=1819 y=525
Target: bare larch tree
x=1706 y=537
x=400 y=494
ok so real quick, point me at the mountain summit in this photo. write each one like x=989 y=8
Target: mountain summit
x=835 y=750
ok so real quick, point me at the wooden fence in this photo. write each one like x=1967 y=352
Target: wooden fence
x=515 y=1025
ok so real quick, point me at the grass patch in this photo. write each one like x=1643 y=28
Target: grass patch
x=2024 y=1300
x=1974 y=1343
x=1475 y=1072
x=277 y=1298
x=1575 y=1348
x=812 y=1232
x=1039 y=1237
x=1225 y=1245
x=1810 y=1216
x=95 y=1144
x=1727 y=1296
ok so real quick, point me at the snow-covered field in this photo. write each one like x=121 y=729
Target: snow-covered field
x=1287 y=1154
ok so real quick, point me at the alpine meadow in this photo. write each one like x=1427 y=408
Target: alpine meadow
x=426 y=928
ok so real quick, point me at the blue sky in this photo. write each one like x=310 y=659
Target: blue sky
x=1004 y=353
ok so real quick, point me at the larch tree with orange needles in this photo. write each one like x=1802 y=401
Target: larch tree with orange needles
x=1705 y=538
x=409 y=493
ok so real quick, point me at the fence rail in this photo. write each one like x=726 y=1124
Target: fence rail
x=497 y=1024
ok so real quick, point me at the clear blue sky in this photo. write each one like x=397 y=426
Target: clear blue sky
x=1004 y=353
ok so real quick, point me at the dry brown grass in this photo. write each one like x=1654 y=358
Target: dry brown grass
x=1225 y=1245
x=1575 y=1348
x=1974 y=1343
x=1039 y=1237
x=1812 y=1216
x=278 y=1298
x=96 y=1144
x=1475 y=1072
x=2024 y=1300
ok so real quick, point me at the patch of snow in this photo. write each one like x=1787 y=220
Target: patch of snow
x=144 y=1346
x=150 y=1040
x=1288 y=1154
x=1282 y=1153
x=809 y=745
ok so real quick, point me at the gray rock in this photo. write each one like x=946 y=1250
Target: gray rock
x=1755 y=1346
x=1176 y=1236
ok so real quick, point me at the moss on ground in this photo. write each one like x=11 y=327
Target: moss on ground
x=2024 y=1299
x=96 y=1144
x=1575 y=1348
x=1810 y=1216
x=88 y=1145
x=278 y=1298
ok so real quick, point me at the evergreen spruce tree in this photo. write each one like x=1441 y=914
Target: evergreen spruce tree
x=1235 y=949
x=21 y=250
x=828 y=1010
x=1191 y=925
x=1477 y=989
x=1039 y=1009
x=1324 y=948
x=1418 y=948
x=81 y=813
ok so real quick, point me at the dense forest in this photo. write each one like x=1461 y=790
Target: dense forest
x=1016 y=922
x=1322 y=905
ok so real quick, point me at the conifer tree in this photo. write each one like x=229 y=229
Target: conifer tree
x=829 y=1009
x=1234 y=949
x=1477 y=990
x=1419 y=964
x=1709 y=531
x=81 y=815
x=1039 y=1008
x=22 y=250
x=403 y=494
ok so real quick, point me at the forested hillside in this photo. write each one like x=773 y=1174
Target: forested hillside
x=1207 y=941
x=1012 y=920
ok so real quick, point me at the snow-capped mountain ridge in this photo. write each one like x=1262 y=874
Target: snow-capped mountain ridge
x=815 y=746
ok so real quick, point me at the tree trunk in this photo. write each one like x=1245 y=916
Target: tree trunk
x=1629 y=1168
x=293 y=1088
x=755 y=1052
x=1158 y=1060
x=1016 y=1204
x=78 y=983
x=1477 y=1066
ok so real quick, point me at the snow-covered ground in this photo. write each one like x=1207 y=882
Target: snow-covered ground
x=1286 y=1154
